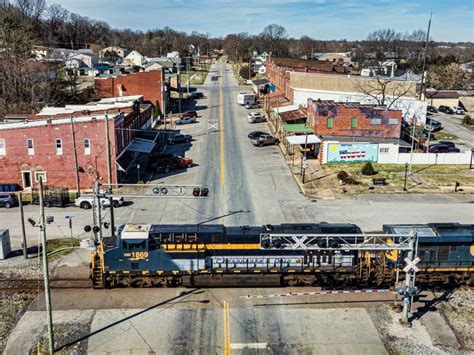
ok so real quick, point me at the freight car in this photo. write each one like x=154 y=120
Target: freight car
x=269 y=255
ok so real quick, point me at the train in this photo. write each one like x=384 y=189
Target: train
x=288 y=254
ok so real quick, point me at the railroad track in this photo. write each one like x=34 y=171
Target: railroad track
x=34 y=286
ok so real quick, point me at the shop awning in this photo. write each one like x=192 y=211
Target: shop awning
x=297 y=128
x=141 y=145
x=298 y=140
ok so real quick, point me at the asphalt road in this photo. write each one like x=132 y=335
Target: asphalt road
x=452 y=124
x=248 y=185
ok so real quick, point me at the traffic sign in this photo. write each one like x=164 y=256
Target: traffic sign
x=411 y=265
x=69 y=217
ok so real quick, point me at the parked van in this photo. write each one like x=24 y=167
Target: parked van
x=246 y=98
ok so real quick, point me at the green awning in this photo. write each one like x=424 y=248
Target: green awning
x=297 y=128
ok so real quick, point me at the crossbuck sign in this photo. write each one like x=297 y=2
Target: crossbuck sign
x=411 y=265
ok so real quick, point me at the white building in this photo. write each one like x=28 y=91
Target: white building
x=134 y=58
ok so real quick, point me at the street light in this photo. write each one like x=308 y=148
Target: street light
x=406 y=174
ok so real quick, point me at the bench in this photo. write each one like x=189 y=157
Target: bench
x=378 y=181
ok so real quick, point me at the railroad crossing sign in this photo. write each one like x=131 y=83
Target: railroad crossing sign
x=411 y=265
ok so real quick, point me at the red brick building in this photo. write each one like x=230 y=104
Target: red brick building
x=43 y=146
x=329 y=118
x=149 y=84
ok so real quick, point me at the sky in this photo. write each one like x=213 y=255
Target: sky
x=453 y=20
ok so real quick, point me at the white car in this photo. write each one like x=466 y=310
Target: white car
x=459 y=110
x=255 y=117
x=250 y=106
x=85 y=202
x=186 y=120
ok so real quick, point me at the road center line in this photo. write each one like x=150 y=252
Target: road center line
x=221 y=127
x=226 y=329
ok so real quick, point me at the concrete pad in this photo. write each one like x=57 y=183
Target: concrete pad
x=440 y=332
x=73 y=266
x=24 y=336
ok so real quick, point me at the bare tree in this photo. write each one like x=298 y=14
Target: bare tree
x=273 y=39
x=385 y=91
x=56 y=16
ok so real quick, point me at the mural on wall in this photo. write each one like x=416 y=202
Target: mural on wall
x=352 y=152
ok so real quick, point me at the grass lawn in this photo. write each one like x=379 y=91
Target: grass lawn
x=58 y=248
x=198 y=74
x=469 y=126
x=432 y=175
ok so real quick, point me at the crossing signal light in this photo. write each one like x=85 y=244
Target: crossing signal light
x=200 y=192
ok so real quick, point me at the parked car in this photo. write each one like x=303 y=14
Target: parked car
x=8 y=200
x=50 y=200
x=459 y=111
x=433 y=125
x=446 y=109
x=179 y=138
x=198 y=95
x=186 y=120
x=255 y=117
x=264 y=139
x=189 y=114
x=165 y=162
x=442 y=149
x=431 y=109
x=251 y=106
x=256 y=134
x=446 y=143
x=85 y=202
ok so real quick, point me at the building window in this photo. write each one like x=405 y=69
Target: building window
x=393 y=121
x=40 y=175
x=3 y=150
x=374 y=121
x=383 y=150
x=354 y=122
x=59 y=147
x=87 y=146
x=30 y=146
x=330 y=119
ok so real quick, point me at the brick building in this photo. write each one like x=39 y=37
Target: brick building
x=151 y=85
x=278 y=71
x=329 y=118
x=43 y=145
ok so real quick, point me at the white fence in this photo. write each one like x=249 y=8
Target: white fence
x=351 y=152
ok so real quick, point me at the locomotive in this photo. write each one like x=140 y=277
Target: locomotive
x=325 y=254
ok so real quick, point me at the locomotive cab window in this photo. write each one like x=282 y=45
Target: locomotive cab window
x=130 y=245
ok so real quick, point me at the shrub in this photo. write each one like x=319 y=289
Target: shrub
x=368 y=169
x=244 y=72
x=345 y=178
x=467 y=120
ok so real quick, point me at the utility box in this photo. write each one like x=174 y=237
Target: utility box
x=5 y=247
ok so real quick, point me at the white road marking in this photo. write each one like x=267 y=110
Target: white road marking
x=241 y=346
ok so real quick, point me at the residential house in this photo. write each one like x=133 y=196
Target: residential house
x=134 y=58
x=82 y=60
x=46 y=144
x=113 y=54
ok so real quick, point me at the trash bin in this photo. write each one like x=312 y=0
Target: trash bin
x=5 y=247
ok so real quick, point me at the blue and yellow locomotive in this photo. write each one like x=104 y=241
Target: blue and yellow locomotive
x=206 y=255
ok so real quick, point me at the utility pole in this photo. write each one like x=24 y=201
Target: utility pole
x=95 y=202
x=45 y=269
x=97 y=212
x=412 y=142
x=23 y=231
x=425 y=52
x=304 y=164
x=112 y=216
x=179 y=88
x=187 y=74
x=107 y=152
x=76 y=164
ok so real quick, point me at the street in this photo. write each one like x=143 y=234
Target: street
x=248 y=185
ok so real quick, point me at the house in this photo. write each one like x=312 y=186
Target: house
x=151 y=84
x=152 y=66
x=46 y=144
x=134 y=58
x=113 y=54
x=82 y=60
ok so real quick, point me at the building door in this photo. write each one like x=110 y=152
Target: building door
x=26 y=177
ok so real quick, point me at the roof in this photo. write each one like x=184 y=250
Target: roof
x=350 y=105
x=297 y=128
x=442 y=94
x=259 y=82
x=293 y=115
x=400 y=142
x=141 y=145
x=135 y=231
x=303 y=139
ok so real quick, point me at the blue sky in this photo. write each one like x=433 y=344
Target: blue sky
x=453 y=20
